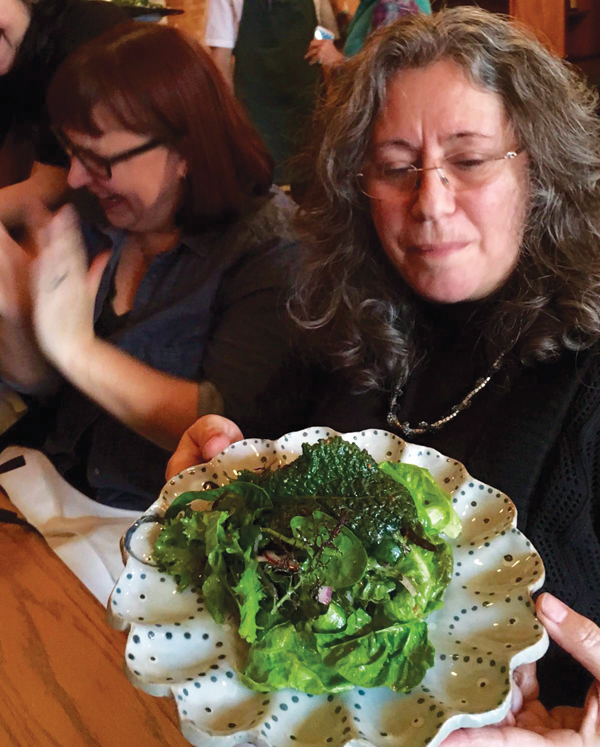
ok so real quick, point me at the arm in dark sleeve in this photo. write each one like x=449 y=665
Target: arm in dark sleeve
x=252 y=340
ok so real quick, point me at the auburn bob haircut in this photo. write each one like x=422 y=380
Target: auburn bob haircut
x=155 y=80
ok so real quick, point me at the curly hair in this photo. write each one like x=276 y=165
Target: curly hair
x=365 y=319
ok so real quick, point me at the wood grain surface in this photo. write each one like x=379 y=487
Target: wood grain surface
x=61 y=666
x=547 y=18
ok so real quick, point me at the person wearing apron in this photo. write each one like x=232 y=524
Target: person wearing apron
x=271 y=77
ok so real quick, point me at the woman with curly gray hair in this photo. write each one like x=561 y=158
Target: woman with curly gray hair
x=551 y=300
x=452 y=291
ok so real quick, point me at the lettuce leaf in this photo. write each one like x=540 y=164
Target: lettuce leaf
x=397 y=657
x=434 y=508
x=249 y=593
x=180 y=550
x=287 y=656
x=216 y=589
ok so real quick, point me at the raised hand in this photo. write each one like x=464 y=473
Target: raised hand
x=64 y=291
x=15 y=263
x=22 y=363
x=323 y=52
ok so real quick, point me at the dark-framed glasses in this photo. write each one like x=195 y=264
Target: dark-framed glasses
x=390 y=181
x=102 y=166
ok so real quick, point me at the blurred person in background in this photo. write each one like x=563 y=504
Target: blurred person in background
x=268 y=40
x=370 y=15
x=35 y=37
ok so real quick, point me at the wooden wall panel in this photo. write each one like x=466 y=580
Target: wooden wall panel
x=583 y=30
x=193 y=18
x=546 y=18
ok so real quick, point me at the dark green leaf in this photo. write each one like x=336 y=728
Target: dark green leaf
x=254 y=497
x=343 y=559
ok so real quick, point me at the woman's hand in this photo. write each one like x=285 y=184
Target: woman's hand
x=64 y=291
x=154 y=404
x=15 y=263
x=533 y=725
x=202 y=441
x=22 y=363
x=324 y=52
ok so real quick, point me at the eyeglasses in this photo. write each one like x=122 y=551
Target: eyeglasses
x=386 y=181
x=101 y=166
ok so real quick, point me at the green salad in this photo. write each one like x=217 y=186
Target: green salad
x=330 y=564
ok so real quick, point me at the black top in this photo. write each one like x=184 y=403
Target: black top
x=57 y=28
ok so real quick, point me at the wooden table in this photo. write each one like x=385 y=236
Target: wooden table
x=61 y=665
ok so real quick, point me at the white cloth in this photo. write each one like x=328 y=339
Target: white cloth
x=223 y=21
x=85 y=534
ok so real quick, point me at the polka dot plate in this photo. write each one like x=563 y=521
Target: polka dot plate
x=485 y=629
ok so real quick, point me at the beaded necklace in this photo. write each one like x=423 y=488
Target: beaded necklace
x=407 y=430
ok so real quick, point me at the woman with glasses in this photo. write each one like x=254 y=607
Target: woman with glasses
x=180 y=314
x=451 y=293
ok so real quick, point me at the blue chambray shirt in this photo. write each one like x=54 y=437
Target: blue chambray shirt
x=210 y=309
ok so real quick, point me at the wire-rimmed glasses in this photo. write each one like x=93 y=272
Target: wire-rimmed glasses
x=387 y=181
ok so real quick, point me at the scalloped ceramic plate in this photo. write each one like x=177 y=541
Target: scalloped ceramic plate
x=486 y=628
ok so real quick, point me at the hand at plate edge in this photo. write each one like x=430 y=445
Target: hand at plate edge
x=202 y=441
x=533 y=725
